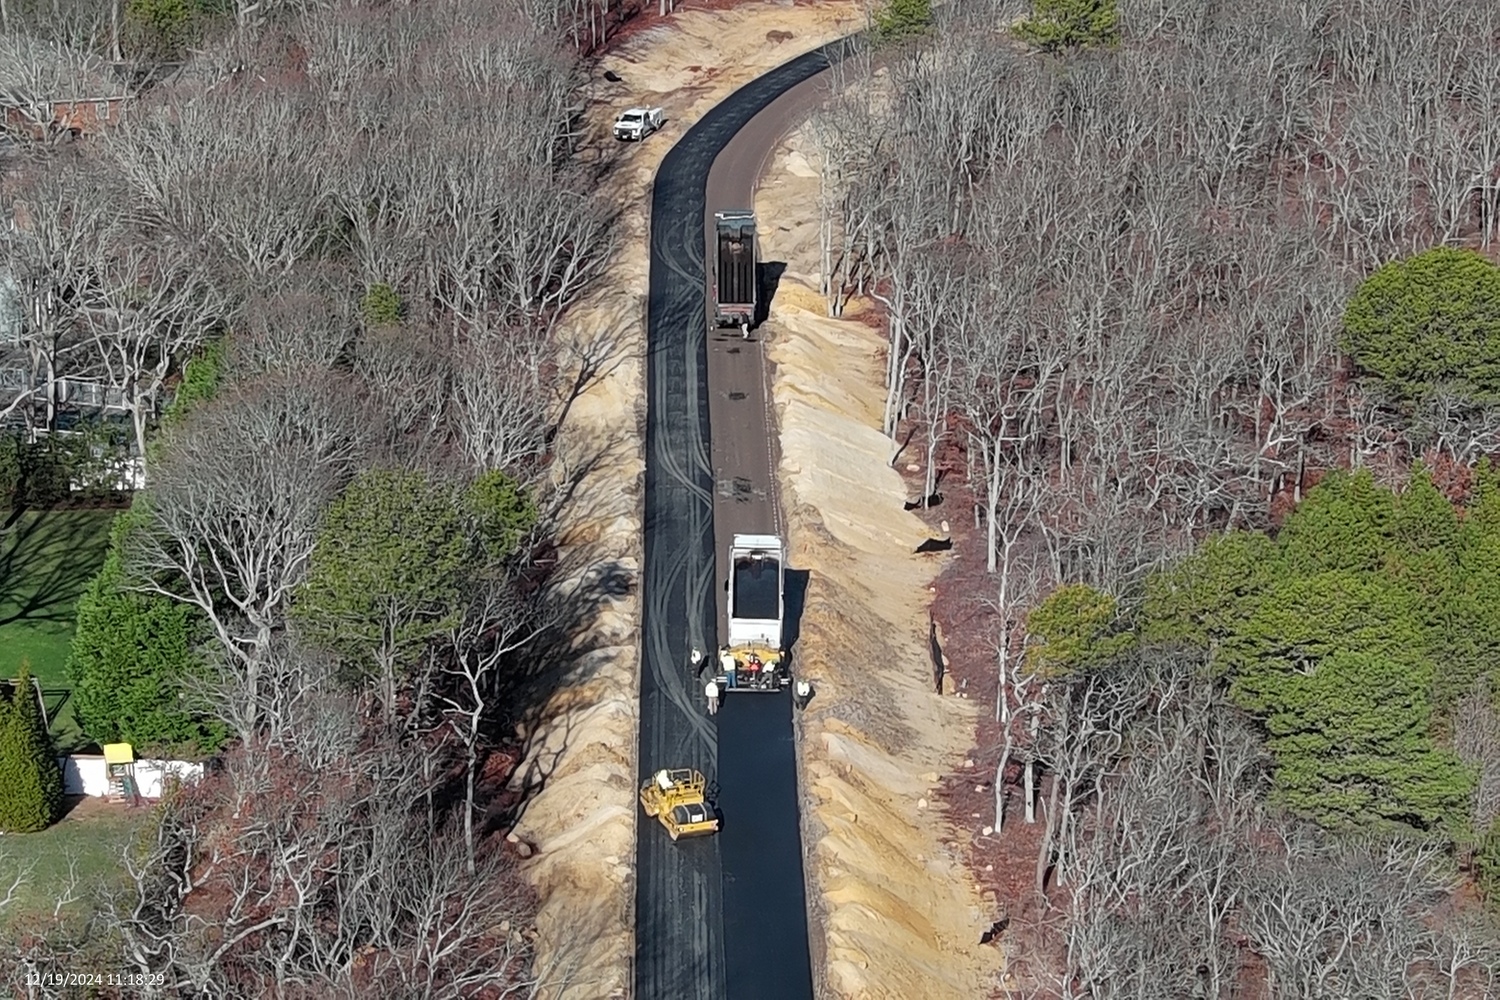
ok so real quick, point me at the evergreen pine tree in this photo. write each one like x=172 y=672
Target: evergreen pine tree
x=31 y=789
x=1423 y=562
x=1471 y=623
x=1060 y=24
x=900 y=18
x=1209 y=596
x=1352 y=747
x=1425 y=523
x=1074 y=628
x=1344 y=523
x=132 y=656
x=1334 y=665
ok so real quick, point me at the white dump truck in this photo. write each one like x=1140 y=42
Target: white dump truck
x=634 y=124
x=753 y=658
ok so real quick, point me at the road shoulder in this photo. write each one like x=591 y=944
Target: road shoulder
x=895 y=910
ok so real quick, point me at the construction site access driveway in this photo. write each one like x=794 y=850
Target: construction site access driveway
x=722 y=916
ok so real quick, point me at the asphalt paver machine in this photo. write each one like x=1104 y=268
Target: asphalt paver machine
x=755 y=594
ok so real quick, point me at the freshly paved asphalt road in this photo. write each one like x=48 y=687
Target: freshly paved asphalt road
x=720 y=916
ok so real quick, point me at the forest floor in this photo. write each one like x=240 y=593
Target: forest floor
x=582 y=746
x=1003 y=862
x=896 y=912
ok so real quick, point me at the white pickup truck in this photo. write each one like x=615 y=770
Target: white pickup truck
x=637 y=123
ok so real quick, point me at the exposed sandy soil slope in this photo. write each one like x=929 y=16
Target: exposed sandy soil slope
x=583 y=821
x=896 y=912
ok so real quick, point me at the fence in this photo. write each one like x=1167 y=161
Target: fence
x=85 y=774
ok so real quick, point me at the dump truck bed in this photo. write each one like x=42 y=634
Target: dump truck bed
x=735 y=291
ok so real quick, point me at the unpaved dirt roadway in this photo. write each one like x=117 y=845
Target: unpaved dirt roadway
x=584 y=820
x=896 y=909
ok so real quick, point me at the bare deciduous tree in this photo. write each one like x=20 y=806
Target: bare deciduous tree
x=501 y=408
x=52 y=250
x=235 y=504
x=498 y=621
x=1476 y=739
x=254 y=191
x=153 y=308
x=303 y=325
x=37 y=71
x=409 y=372
x=244 y=889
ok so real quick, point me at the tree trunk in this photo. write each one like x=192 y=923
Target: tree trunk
x=252 y=676
x=387 y=663
x=427 y=783
x=51 y=393
x=895 y=375
x=1044 y=853
x=1030 y=790
x=1063 y=825
x=114 y=29
x=138 y=423
x=934 y=419
x=1002 y=699
x=992 y=501
x=999 y=783
x=469 y=792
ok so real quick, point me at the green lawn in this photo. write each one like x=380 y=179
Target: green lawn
x=46 y=560
x=92 y=836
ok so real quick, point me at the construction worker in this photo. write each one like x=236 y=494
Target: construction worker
x=802 y=693
x=697 y=661
x=712 y=691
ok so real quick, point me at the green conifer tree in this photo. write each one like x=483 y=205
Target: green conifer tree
x=1470 y=622
x=1060 y=24
x=31 y=788
x=1344 y=523
x=1208 y=597
x=1352 y=747
x=1074 y=628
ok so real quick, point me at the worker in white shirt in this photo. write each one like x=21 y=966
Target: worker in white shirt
x=712 y=691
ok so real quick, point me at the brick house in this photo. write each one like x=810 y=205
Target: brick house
x=45 y=119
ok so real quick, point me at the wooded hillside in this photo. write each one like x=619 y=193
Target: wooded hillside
x=1147 y=279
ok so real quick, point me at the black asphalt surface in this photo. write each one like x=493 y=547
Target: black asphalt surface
x=721 y=916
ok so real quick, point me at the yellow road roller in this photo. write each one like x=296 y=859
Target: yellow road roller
x=675 y=796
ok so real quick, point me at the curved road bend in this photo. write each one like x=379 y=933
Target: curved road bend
x=719 y=916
